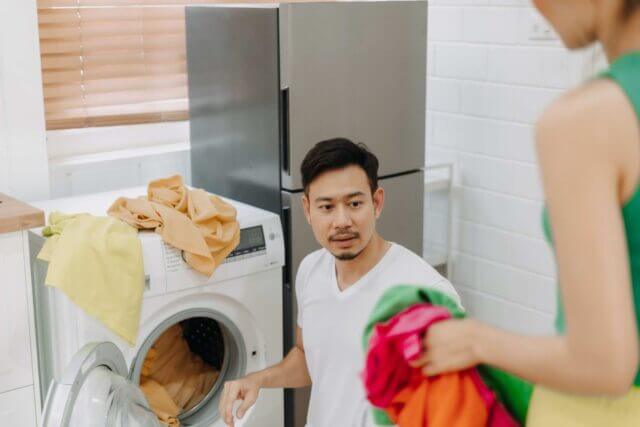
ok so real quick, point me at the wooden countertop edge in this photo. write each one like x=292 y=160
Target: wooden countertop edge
x=16 y=215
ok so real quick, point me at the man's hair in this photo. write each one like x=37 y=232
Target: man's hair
x=338 y=153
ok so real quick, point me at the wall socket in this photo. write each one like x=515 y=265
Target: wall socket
x=540 y=29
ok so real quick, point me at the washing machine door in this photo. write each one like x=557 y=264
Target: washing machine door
x=94 y=392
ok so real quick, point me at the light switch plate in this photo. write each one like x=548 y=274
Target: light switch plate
x=540 y=29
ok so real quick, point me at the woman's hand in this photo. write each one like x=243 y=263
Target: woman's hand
x=451 y=345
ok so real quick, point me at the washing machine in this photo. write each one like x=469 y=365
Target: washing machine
x=89 y=376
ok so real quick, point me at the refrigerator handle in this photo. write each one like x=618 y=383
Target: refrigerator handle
x=286 y=226
x=284 y=128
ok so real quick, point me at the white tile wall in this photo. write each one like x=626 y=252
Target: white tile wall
x=487 y=84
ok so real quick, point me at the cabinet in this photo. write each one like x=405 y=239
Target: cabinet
x=15 y=348
x=17 y=388
x=17 y=408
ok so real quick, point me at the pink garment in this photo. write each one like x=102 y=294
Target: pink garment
x=391 y=346
x=398 y=341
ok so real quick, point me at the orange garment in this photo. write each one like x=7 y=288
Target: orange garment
x=173 y=378
x=161 y=403
x=201 y=224
x=448 y=400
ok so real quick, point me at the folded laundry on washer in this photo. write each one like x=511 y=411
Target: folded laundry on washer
x=97 y=263
x=200 y=224
x=173 y=377
x=402 y=395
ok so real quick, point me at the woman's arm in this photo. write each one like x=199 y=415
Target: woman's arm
x=587 y=144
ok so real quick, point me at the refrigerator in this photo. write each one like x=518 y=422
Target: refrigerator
x=268 y=81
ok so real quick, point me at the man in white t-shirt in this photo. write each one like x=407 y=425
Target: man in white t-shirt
x=337 y=288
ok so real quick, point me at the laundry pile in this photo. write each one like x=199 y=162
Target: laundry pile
x=97 y=261
x=200 y=224
x=174 y=379
x=402 y=395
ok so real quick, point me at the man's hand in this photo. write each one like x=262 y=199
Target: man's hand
x=245 y=389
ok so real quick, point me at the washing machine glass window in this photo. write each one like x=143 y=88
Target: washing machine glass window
x=93 y=391
x=185 y=361
x=105 y=395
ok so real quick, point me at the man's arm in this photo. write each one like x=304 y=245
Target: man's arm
x=292 y=372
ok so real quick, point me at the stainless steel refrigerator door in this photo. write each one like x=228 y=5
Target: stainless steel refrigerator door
x=401 y=221
x=355 y=70
x=232 y=58
x=402 y=218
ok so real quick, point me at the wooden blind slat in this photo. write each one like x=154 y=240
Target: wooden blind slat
x=114 y=62
x=71 y=90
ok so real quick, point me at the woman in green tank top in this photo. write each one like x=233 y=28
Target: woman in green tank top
x=589 y=151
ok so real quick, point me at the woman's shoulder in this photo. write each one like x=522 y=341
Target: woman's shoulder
x=591 y=131
x=592 y=116
x=595 y=100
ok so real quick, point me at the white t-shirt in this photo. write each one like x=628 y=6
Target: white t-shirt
x=333 y=322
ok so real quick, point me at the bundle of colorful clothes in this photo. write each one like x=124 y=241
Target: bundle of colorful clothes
x=402 y=395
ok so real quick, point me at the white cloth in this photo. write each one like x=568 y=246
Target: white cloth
x=333 y=322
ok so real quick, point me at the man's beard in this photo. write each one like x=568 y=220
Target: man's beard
x=347 y=256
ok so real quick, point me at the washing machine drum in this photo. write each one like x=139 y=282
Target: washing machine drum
x=205 y=338
x=181 y=368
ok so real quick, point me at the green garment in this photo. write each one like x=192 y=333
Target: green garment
x=514 y=392
x=625 y=71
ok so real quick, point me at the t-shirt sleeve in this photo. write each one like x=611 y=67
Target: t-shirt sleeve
x=300 y=287
x=445 y=286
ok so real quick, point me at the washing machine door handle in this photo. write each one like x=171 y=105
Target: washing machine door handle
x=94 y=392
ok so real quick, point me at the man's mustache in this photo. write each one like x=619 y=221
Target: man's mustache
x=344 y=236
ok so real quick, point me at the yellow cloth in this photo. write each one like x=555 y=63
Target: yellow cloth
x=549 y=408
x=199 y=223
x=97 y=263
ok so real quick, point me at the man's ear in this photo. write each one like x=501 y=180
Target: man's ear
x=306 y=207
x=378 y=201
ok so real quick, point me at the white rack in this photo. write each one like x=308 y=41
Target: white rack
x=439 y=177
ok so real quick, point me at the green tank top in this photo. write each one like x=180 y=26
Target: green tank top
x=625 y=71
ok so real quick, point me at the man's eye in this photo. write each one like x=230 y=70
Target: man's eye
x=325 y=207
x=355 y=204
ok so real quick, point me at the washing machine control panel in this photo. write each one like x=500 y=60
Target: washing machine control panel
x=252 y=244
x=261 y=247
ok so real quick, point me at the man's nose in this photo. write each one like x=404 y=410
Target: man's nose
x=342 y=218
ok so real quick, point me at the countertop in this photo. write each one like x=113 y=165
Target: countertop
x=16 y=215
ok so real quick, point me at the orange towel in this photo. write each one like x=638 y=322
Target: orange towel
x=199 y=223
x=449 y=400
x=161 y=403
x=174 y=379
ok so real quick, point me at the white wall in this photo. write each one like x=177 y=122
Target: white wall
x=488 y=82
x=23 y=156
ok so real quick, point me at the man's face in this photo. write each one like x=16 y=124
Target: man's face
x=342 y=211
